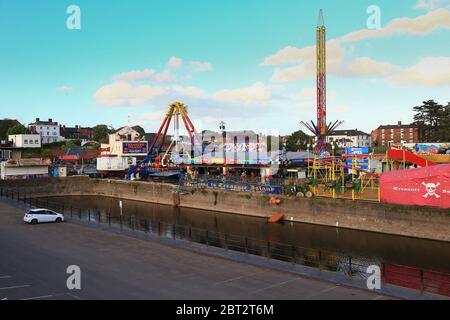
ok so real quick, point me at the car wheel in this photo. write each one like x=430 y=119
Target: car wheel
x=58 y=220
x=34 y=221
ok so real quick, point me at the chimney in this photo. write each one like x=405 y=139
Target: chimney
x=50 y=120
x=37 y=119
x=399 y=123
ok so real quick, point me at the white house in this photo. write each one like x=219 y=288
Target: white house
x=350 y=139
x=48 y=130
x=125 y=142
x=25 y=140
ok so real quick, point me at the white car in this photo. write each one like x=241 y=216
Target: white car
x=35 y=216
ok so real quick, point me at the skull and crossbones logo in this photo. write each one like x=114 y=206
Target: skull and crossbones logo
x=431 y=189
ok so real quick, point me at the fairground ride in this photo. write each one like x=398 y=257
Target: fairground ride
x=153 y=162
x=321 y=129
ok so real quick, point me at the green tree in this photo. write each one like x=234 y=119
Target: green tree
x=5 y=124
x=433 y=120
x=16 y=129
x=297 y=141
x=140 y=130
x=72 y=144
x=101 y=133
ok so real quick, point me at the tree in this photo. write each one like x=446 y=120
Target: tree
x=101 y=133
x=297 y=141
x=71 y=144
x=16 y=129
x=5 y=124
x=140 y=130
x=433 y=121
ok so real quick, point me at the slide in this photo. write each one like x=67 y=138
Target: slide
x=410 y=157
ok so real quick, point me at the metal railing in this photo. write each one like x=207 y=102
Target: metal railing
x=340 y=262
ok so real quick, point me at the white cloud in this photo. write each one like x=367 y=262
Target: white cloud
x=135 y=75
x=428 y=71
x=175 y=62
x=199 y=66
x=306 y=55
x=339 y=110
x=164 y=76
x=307 y=93
x=125 y=94
x=190 y=91
x=258 y=92
x=364 y=66
x=430 y=5
x=421 y=25
x=64 y=89
x=304 y=60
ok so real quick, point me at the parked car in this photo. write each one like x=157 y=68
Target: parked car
x=35 y=216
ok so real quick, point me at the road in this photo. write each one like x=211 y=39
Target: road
x=34 y=260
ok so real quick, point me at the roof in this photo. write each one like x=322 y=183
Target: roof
x=46 y=123
x=394 y=126
x=351 y=132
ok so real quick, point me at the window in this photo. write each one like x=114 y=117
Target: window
x=36 y=141
x=25 y=141
x=31 y=141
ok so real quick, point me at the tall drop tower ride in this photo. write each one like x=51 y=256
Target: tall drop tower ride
x=321 y=129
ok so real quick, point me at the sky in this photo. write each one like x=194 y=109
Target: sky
x=250 y=63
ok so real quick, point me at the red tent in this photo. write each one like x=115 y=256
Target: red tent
x=427 y=186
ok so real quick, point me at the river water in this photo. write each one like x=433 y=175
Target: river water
x=371 y=246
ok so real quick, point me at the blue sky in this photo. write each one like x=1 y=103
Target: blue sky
x=248 y=62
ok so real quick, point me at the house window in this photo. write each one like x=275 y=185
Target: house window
x=36 y=141
x=25 y=141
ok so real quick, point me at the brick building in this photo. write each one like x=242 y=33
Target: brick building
x=77 y=132
x=386 y=135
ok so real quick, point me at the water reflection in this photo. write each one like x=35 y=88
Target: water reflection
x=363 y=246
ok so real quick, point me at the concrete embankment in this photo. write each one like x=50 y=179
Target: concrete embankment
x=413 y=221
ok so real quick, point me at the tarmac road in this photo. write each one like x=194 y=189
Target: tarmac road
x=34 y=260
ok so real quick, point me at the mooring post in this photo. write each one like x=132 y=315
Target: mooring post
x=350 y=265
x=226 y=242
x=246 y=245
x=293 y=254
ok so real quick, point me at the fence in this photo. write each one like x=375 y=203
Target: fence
x=340 y=262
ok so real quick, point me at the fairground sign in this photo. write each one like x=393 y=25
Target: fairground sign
x=263 y=189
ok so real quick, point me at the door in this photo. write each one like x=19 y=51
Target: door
x=51 y=216
x=40 y=215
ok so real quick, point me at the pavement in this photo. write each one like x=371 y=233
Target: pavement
x=34 y=260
